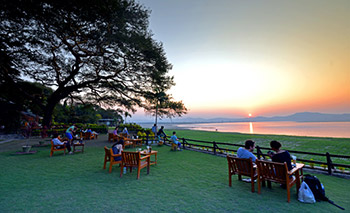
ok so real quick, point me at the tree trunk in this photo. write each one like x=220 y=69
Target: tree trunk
x=157 y=115
x=52 y=101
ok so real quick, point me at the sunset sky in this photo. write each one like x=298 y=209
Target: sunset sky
x=272 y=57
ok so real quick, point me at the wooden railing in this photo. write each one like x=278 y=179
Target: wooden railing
x=225 y=148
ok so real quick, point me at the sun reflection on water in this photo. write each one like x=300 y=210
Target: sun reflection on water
x=251 y=130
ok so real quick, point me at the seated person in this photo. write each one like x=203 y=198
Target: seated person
x=280 y=156
x=56 y=141
x=117 y=149
x=115 y=132
x=125 y=131
x=175 y=140
x=247 y=151
x=161 y=133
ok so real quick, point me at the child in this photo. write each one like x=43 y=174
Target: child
x=176 y=140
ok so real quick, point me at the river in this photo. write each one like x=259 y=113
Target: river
x=317 y=129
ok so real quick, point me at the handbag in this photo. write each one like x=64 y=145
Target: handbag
x=305 y=194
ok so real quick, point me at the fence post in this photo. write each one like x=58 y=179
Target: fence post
x=329 y=163
x=183 y=143
x=214 y=147
x=147 y=139
x=259 y=153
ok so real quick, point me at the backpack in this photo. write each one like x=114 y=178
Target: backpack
x=317 y=189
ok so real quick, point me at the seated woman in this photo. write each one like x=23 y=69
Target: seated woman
x=280 y=156
x=57 y=141
x=115 y=132
x=117 y=149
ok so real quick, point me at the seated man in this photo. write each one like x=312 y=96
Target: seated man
x=175 y=140
x=56 y=141
x=247 y=151
x=125 y=131
x=161 y=133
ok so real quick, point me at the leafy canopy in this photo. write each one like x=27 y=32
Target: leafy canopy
x=87 y=51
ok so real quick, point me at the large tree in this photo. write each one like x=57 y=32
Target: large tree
x=97 y=51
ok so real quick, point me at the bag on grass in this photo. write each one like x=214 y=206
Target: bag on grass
x=318 y=190
x=305 y=194
x=316 y=187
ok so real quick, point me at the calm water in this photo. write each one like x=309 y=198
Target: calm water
x=318 y=129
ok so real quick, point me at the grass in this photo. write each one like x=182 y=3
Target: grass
x=184 y=181
x=339 y=146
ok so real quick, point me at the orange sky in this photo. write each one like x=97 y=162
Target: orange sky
x=231 y=58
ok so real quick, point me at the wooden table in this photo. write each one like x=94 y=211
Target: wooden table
x=78 y=150
x=151 y=153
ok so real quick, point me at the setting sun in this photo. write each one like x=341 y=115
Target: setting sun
x=250 y=114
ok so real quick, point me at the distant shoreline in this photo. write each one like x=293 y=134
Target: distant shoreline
x=292 y=128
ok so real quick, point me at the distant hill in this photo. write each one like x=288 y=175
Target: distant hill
x=298 y=117
x=307 y=117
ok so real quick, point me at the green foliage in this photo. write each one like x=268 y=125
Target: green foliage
x=89 y=51
x=160 y=104
x=83 y=113
x=131 y=127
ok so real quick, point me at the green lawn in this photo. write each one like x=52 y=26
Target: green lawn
x=184 y=181
x=339 y=146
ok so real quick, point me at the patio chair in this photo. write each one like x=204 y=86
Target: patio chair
x=277 y=172
x=88 y=136
x=240 y=166
x=55 y=148
x=109 y=157
x=134 y=159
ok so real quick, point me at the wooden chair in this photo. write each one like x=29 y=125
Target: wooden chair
x=109 y=157
x=110 y=137
x=124 y=135
x=134 y=159
x=88 y=136
x=55 y=148
x=277 y=172
x=240 y=166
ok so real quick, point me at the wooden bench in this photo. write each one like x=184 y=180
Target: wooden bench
x=278 y=172
x=240 y=166
x=109 y=157
x=55 y=148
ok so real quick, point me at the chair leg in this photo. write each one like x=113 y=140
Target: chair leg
x=252 y=181
x=259 y=185
x=229 y=179
x=121 y=170
x=138 y=172
x=288 y=193
x=110 y=167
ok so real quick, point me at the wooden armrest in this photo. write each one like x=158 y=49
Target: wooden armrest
x=115 y=155
x=147 y=156
x=59 y=145
x=293 y=171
